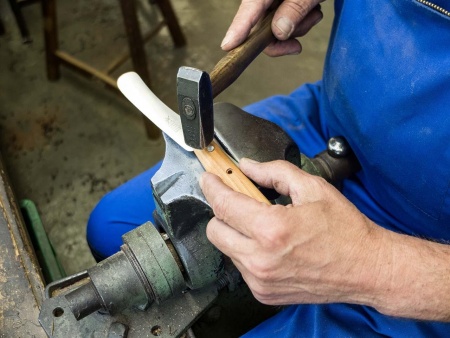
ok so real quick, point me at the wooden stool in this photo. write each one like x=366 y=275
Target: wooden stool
x=16 y=8
x=56 y=57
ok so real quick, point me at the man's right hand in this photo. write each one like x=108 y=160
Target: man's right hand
x=293 y=18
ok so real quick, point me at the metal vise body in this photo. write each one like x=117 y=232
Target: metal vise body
x=172 y=265
x=182 y=210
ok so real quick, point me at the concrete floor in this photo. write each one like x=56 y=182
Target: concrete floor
x=69 y=142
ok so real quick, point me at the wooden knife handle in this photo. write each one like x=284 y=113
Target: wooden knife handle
x=216 y=161
x=226 y=71
x=231 y=66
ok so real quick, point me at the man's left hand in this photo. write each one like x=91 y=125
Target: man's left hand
x=316 y=250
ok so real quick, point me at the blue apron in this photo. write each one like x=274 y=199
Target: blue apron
x=386 y=88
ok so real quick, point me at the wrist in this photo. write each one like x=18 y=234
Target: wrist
x=374 y=269
x=410 y=277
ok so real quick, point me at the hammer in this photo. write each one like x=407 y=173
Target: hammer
x=196 y=90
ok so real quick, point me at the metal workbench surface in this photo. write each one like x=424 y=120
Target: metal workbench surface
x=21 y=283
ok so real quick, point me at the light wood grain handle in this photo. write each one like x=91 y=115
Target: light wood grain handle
x=217 y=162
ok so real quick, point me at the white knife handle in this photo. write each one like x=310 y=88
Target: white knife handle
x=137 y=92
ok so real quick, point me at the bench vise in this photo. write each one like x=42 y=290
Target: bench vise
x=167 y=274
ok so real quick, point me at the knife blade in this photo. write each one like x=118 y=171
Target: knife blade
x=212 y=158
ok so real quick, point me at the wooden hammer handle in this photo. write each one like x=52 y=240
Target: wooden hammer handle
x=231 y=66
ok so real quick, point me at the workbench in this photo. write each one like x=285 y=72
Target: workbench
x=21 y=282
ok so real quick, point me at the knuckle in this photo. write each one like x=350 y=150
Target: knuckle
x=313 y=188
x=279 y=164
x=261 y=292
x=210 y=231
x=262 y=270
x=280 y=185
x=271 y=238
x=299 y=7
x=255 y=5
x=310 y=21
x=220 y=205
x=250 y=11
x=274 y=235
x=319 y=184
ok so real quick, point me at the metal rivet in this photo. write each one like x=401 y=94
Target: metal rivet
x=188 y=110
x=188 y=107
x=210 y=148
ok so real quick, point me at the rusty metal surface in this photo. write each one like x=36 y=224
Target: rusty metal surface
x=21 y=284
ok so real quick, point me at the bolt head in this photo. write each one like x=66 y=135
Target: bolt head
x=338 y=147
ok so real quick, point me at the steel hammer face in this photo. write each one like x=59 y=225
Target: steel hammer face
x=195 y=104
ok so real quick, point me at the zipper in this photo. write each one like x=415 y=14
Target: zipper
x=435 y=7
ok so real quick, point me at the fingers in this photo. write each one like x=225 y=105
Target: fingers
x=247 y=16
x=312 y=19
x=239 y=211
x=295 y=15
x=286 y=179
x=228 y=240
x=290 y=46
x=280 y=48
x=293 y=18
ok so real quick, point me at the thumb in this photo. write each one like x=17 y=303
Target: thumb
x=286 y=179
x=289 y=15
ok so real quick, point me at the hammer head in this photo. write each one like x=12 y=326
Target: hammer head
x=195 y=104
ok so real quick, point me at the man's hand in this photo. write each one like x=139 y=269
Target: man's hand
x=293 y=18
x=321 y=249
x=313 y=251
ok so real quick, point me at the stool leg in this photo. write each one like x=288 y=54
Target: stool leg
x=2 y=28
x=137 y=53
x=172 y=22
x=20 y=21
x=51 y=38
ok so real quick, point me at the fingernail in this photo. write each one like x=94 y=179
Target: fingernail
x=228 y=37
x=285 y=26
